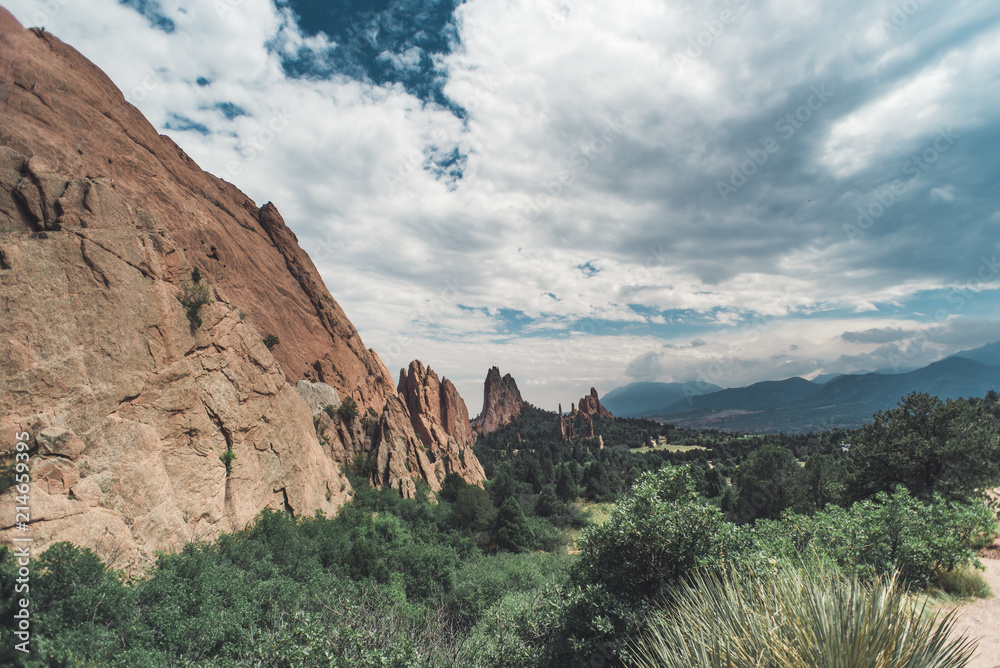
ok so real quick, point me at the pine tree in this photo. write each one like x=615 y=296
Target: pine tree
x=566 y=488
x=548 y=504
x=512 y=532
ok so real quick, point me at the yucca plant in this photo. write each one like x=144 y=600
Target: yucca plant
x=811 y=617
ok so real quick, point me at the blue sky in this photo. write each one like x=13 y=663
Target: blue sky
x=595 y=193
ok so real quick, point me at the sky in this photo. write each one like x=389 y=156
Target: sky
x=591 y=193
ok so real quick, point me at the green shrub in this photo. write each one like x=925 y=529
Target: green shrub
x=271 y=341
x=348 y=409
x=655 y=535
x=894 y=533
x=330 y=410
x=797 y=618
x=964 y=582
x=193 y=296
x=227 y=458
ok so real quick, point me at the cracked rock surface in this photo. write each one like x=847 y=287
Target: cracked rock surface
x=131 y=404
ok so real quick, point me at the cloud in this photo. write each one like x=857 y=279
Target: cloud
x=554 y=168
x=645 y=367
x=879 y=335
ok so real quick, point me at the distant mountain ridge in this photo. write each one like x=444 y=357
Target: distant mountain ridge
x=640 y=398
x=988 y=354
x=795 y=404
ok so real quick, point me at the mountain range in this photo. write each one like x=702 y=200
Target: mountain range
x=796 y=404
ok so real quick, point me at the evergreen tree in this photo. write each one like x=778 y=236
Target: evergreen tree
x=766 y=482
x=566 y=488
x=512 y=531
x=548 y=504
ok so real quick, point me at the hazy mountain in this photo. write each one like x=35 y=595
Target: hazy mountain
x=756 y=397
x=847 y=401
x=952 y=377
x=825 y=378
x=988 y=354
x=641 y=398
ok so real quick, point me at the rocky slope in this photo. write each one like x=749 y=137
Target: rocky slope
x=501 y=402
x=134 y=405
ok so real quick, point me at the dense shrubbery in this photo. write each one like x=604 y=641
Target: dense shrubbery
x=388 y=582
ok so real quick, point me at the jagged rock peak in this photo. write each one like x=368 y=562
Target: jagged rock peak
x=435 y=406
x=591 y=405
x=440 y=419
x=502 y=402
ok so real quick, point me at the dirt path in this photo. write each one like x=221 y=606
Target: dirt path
x=981 y=618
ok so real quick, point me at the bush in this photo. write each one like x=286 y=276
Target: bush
x=348 y=409
x=797 y=618
x=473 y=508
x=194 y=295
x=227 y=458
x=964 y=582
x=271 y=341
x=880 y=536
x=656 y=534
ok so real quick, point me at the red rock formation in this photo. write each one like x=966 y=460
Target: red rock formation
x=441 y=421
x=101 y=222
x=502 y=402
x=591 y=405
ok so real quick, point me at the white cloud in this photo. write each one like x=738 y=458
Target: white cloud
x=588 y=139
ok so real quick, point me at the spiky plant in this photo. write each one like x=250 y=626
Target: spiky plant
x=812 y=617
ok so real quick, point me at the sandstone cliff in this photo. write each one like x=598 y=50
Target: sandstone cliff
x=136 y=406
x=501 y=402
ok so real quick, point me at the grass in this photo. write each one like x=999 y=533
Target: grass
x=785 y=617
x=964 y=583
x=597 y=513
x=662 y=445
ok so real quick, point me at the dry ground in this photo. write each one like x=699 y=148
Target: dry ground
x=981 y=618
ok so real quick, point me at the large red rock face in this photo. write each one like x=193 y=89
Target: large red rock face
x=502 y=402
x=102 y=221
